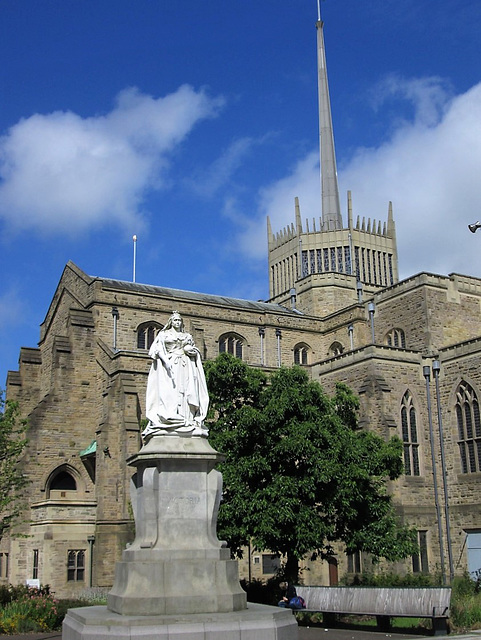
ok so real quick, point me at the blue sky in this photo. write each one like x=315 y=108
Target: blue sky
x=186 y=123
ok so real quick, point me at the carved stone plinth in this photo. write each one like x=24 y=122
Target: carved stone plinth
x=177 y=580
x=176 y=563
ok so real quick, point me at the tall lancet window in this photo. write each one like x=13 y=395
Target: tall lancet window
x=356 y=260
x=301 y=354
x=305 y=264
x=409 y=436
x=396 y=338
x=347 y=259
x=339 y=260
x=146 y=333
x=233 y=344
x=469 y=428
x=326 y=259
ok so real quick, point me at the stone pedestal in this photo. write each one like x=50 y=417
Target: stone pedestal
x=257 y=622
x=177 y=578
x=176 y=563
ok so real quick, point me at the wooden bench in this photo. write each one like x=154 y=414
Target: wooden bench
x=382 y=602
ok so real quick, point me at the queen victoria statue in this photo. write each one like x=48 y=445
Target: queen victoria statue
x=177 y=398
x=177 y=580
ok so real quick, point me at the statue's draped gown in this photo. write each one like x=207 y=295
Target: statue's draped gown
x=177 y=398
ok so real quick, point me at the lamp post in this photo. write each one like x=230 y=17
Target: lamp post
x=436 y=369
x=371 y=307
x=115 y=316
x=474 y=227
x=427 y=376
x=91 y=540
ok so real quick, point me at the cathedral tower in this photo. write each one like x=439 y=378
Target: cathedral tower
x=323 y=267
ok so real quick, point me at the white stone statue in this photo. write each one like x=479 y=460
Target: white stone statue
x=177 y=398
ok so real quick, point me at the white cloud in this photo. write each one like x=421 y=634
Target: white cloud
x=209 y=180
x=277 y=202
x=60 y=172
x=429 y=168
x=428 y=96
x=431 y=173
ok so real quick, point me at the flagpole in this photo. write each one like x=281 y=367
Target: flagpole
x=134 y=238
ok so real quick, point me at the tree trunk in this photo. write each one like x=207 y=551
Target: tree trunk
x=292 y=569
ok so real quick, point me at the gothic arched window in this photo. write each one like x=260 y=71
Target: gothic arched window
x=336 y=349
x=409 y=436
x=301 y=352
x=63 y=481
x=469 y=428
x=396 y=338
x=233 y=344
x=146 y=333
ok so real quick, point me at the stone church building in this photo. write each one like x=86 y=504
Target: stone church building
x=410 y=349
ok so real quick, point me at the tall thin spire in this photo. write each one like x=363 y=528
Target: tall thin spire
x=331 y=209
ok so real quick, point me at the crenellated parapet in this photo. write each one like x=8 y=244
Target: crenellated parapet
x=366 y=250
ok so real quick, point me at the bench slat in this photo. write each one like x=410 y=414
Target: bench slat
x=388 y=601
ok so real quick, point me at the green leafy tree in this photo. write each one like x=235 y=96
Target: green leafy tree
x=299 y=473
x=12 y=480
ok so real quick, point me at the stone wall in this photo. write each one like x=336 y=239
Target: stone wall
x=77 y=389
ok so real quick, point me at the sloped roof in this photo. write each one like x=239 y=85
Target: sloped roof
x=207 y=298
